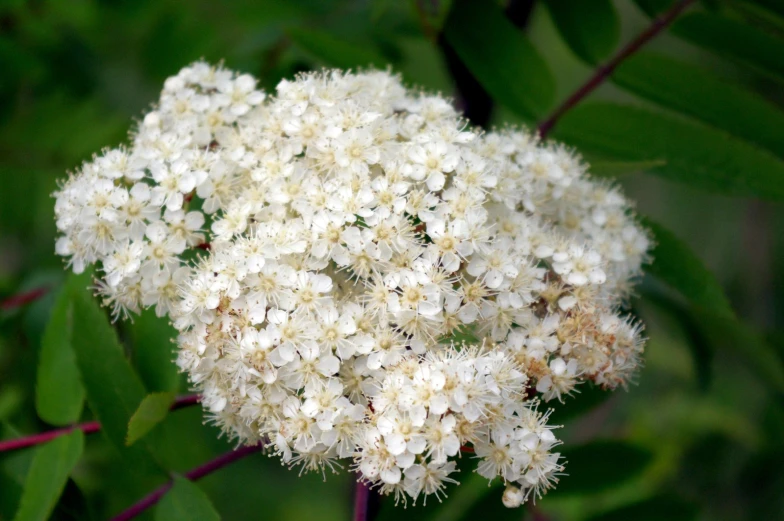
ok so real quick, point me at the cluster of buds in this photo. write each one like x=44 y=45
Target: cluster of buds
x=357 y=274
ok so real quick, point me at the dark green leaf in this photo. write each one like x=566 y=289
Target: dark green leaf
x=153 y=350
x=432 y=13
x=47 y=476
x=150 y=413
x=59 y=395
x=695 y=154
x=590 y=27
x=704 y=96
x=334 y=51
x=700 y=346
x=185 y=502
x=657 y=508
x=749 y=345
x=733 y=39
x=114 y=391
x=500 y=57
x=677 y=265
x=606 y=168
x=653 y=7
x=10 y=492
x=599 y=466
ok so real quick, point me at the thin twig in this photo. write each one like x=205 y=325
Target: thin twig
x=87 y=428
x=19 y=300
x=193 y=475
x=606 y=70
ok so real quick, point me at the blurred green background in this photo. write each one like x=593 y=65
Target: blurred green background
x=699 y=437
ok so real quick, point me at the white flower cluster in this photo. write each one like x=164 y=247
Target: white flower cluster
x=376 y=280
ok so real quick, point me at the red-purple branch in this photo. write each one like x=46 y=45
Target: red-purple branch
x=605 y=71
x=361 y=500
x=15 y=301
x=87 y=428
x=193 y=475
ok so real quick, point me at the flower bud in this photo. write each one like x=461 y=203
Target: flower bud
x=513 y=497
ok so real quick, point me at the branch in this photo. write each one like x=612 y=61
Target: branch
x=19 y=300
x=361 y=500
x=87 y=428
x=193 y=475
x=605 y=71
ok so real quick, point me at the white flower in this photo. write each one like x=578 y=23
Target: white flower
x=356 y=273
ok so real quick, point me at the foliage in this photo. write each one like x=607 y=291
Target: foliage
x=691 y=126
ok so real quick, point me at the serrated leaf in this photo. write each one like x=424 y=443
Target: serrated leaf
x=677 y=265
x=608 y=168
x=702 y=95
x=114 y=390
x=695 y=154
x=333 y=51
x=59 y=394
x=729 y=38
x=590 y=28
x=185 y=502
x=150 y=413
x=600 y=465
x=154 y=352
x=500 y=56
x=657 y=508
x=48 y=474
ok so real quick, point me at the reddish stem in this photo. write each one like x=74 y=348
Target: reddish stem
x=19 y=300
x=361 y=501
x=193 y=475
x=37 y=439
x=87 y=428
x=606 y=70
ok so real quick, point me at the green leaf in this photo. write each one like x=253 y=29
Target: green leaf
x=695 y=154
x=114 y=390
x=334 y=51
x=154 y=352
x=653 y=7
x=732 y=39
x=10 y=492
x=151 y=412
x=590 y=27
x=700 y=94
x=677 y=265
x=599 y=466
x=701 y=347
x=500 y=57
x=433 y=14
x=609 y=168
x=59 y=394
x=657 y=508
x=185 y=502
x=48 y=475
x=749 y=345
